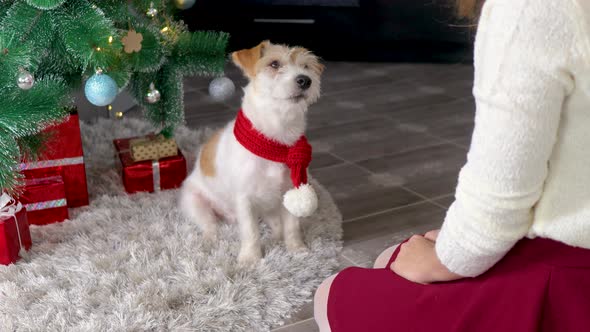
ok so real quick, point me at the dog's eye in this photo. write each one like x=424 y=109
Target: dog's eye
x=275 y=64
x=306 y=66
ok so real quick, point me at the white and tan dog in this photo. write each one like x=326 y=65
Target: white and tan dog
x=230 y=181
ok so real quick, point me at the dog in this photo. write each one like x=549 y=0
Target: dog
x=231 y=181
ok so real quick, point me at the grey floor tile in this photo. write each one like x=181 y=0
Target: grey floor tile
x=375 y=200
x=324 y=159
x=453 y=80
x=445 y=201
x=354 y=82
x=460 y=88
x=437 y=185
x=308 y=325
x=362 y=258
x=366 y=238
x=359 y=193
x=369 y=139
x=342 y=180
x=302 y=314
x=420 y=97
x=331 y=111
x=380 y=95
x=452 y=120
x=431 y=171
x=463 y=142
x=342 y=76
x=349 y=131
x=441 y=74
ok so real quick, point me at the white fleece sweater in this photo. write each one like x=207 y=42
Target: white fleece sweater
x=528 y=168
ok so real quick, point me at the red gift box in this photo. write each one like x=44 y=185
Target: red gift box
x=63 y=153
x=14 y=230
x=45 y=200
x=150 y=176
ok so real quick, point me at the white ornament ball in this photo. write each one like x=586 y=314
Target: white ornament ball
x=302 y=201
x=25 y=80
x=184 y=4
x=221 y=88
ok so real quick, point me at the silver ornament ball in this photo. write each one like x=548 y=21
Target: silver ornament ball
x=152 y=11
x=25 y=80
x=153 y=95
x=221 y=88
x=184 y=4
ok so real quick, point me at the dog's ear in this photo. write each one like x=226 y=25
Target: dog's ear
x=247 y=59
x=321 y=67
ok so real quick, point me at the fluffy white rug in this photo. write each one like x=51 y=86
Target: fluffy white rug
x=132 y=263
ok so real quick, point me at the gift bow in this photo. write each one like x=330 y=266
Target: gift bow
x=9 y=207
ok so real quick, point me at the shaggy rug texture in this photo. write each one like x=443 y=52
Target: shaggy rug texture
x=132 y=263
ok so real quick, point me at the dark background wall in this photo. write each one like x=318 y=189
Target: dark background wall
x=366 y=30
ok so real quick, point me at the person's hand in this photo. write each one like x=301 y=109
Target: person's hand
x=432 y=235
x=417 y=261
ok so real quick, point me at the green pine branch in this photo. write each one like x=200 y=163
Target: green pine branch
x=9 y=178
x=27 y=112
x=200 y=53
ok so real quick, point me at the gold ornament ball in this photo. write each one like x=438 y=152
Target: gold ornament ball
x=119 y=115
x=184 y=4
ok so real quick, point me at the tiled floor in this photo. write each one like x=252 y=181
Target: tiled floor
x=389 y=140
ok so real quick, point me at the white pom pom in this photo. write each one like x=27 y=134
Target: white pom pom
x=302 y=201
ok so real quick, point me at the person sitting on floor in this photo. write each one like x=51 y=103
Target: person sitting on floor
x=513 y=253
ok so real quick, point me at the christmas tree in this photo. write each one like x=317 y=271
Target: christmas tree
x=48 y=48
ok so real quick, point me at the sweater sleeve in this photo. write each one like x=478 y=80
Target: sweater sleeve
x=521 y=82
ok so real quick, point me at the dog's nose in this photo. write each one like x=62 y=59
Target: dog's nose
x=303 y=81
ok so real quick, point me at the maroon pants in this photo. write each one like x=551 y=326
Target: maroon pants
x=540 y=285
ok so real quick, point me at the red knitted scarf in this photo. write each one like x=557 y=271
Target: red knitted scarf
x=297 y=157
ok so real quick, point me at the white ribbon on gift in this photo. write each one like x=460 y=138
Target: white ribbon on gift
x=156 y=175
x=50 y=163
x=9 y=208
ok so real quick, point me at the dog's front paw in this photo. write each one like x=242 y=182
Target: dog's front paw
x=210 y=236
x=296 y=246
x=249 y=256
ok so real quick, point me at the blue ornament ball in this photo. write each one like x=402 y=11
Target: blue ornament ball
x=101 y=89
